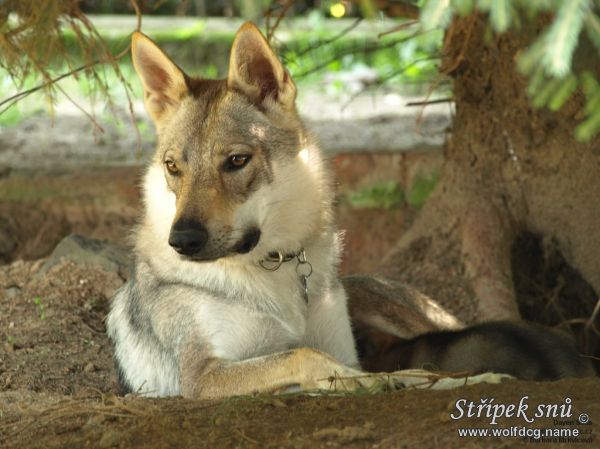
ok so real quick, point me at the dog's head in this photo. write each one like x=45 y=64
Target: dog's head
x=227 y=149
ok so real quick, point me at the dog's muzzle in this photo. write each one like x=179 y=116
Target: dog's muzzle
x=248 y=242
x=188 y=238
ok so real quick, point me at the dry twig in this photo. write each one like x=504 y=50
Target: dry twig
x=285 y=6
x=90 y=42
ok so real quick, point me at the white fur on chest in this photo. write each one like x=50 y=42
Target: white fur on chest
x=257 y=313
x=236 y=333
x=274 y=316
x=243 y=310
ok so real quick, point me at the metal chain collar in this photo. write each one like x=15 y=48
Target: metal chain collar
x=304 y=269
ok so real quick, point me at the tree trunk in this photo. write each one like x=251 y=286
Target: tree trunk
x=517 y=201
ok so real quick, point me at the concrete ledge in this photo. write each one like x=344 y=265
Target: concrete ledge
x=364 y=126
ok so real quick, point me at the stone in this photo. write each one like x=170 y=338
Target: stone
x=91 y=252
x=12 y=291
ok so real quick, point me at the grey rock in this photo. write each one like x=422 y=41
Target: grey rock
x=12 y=291
x=88 y=251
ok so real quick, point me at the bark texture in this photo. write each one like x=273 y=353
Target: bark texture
x=509 y=171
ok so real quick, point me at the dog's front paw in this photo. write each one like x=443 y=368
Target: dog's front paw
x=338 y=378
x=316 y=370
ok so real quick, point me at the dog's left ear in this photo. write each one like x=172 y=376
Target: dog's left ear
x=255 y=70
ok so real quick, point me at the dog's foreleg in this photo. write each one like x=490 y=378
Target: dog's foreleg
x=303 y=368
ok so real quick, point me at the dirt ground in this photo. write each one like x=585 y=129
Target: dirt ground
x=57 y=389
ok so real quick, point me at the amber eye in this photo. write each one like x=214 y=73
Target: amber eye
x=236 y=161
x=171 y=166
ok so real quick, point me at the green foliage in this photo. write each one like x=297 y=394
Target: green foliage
x=41 y=307
x=591 y=89
x=384 y=195
x=548 y=62
x=463 y=7
x=252 y=9
x=11 y=117
x=563 y=93
x=19 y=111
x=500 y=14
x=181 y=33
x=396 y=59
x=403 y=58
x=436 y=13
x=592 y=28
x=561 y=37
x=33 y=37
x=420 y=190
x=307 y=53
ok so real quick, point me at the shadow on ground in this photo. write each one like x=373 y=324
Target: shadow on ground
x=57 y=389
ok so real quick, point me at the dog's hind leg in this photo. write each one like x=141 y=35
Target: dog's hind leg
x=385 y=312
x=395 y=308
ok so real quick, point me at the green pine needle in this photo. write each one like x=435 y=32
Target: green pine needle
x=592 y=28
x=545 y=94
x=589 y=128
x=436 y=13
x=536 y=82
x=592 y=104
x=562 y=36
x=463 y=7
x=530 y=59
x=564 y=92
x=500 y=15
x=589 y=83
x=484 y=5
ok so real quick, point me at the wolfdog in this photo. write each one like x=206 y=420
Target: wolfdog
x=234 y=288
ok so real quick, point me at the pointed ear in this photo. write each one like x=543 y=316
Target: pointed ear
x=164 y=83
x=255 y=70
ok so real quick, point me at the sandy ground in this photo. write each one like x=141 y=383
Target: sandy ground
x=58 y=390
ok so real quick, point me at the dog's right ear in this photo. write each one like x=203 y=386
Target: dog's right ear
x=164 y=83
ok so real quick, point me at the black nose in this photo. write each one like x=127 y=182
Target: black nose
x=188 y=237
